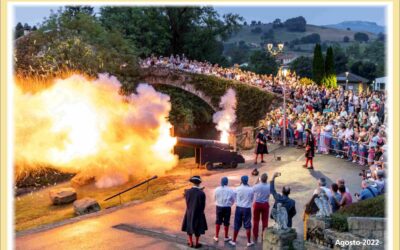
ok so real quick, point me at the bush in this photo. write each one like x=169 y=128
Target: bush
x=374 y=207
x=256 y=30
x=361 y=37
x=306 y=81
x=312 y=38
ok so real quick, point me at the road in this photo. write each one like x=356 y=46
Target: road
x=156 y=224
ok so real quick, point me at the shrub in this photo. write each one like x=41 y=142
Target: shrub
x=253 y=103
x=374 y=207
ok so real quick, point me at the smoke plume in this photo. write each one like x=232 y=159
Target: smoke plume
x=227 y=116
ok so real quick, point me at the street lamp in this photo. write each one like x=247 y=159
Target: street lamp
x=284 y=72
x=275 y=51
x=347 y=80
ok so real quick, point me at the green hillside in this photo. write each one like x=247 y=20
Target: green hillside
x=282 y=35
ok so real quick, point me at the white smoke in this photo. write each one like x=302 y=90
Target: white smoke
x=227 y=116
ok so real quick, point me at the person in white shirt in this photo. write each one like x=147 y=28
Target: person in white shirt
x=322 y=186
x=261 y=204
x=244 y=200
x=224 y=199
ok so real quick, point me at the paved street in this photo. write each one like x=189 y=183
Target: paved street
x=121 y=229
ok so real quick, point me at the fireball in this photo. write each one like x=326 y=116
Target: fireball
x=84 y=125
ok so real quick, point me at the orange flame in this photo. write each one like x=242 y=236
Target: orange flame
x=85 y=125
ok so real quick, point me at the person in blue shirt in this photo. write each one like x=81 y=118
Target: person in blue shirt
x=261 y=205
x=335 y=198
x=284 y=199
x=368 y=191
x=224 y=199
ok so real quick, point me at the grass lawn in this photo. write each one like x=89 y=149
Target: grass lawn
x=35 y=209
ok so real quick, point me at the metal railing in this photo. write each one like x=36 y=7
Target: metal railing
x=135 y=186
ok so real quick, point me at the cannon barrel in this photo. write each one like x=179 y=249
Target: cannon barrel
x=193 y=142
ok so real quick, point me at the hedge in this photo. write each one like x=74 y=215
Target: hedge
x=374 y=207
x=253 y=103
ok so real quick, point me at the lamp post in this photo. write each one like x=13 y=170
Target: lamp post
x=347 y=79
x=284 y=72
x=274 y=51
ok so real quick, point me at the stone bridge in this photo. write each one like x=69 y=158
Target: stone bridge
x=174 y=78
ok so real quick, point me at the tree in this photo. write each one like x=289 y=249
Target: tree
x=340 y=59
x=297 y=24
x=346 y=39
x=73 y=11
x=330 y=75
x=245 y=23
x=277 y=23
x=364 y=69
x=361 y=37
x=318 y=65
x=262 y=62
x=197 y=32
x=57 y=46
x=312 y=38
x=19 y=30
x=253 y=23
x=303 y=66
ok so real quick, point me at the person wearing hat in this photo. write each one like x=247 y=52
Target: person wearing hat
x=224 y=199
x=244 y=200
x=310 y=149
x=194 y=221
x=261 y=147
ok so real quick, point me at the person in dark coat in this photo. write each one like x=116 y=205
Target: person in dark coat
x=261 y=147
x=194 y=221
x=310 y=149
x=284 y=199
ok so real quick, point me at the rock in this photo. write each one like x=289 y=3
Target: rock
x=279 y=239
x=86 y=206
x=62 y=196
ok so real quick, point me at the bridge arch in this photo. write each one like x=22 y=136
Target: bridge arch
x=162 y=76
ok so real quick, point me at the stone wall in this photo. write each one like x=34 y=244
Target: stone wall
x=364 y=233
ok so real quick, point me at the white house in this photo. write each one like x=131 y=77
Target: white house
x=380 y=83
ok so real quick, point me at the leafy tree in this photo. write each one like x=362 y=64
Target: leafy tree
x=318 y=65
x=197 y=32
x=75 y=10
x=330 y=74
x=78 y=42
x=19 y=30
x=312 y=38
x=303 y=66
x=297 y=24
x=364 y=69
x=262 y=62
x=239 y=53
x=340 y=59
x=346 y=39
x=277 y=23
x=306 y=81
x=361 y=37
x=27 y=27
x=253 y=23
x=245 y=23
x=381 y=37
x=34 y=28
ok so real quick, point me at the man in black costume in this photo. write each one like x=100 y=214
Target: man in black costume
x=261 y=147
x=194 y=221
x=310 y=149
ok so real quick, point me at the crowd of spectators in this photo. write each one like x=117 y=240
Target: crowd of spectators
x=349 y=124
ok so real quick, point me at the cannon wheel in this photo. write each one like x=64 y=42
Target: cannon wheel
x=209 y=165
x=234 y=164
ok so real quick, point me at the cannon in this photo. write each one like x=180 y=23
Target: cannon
x=210 y=152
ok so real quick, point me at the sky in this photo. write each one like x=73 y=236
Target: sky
x=319 y=15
